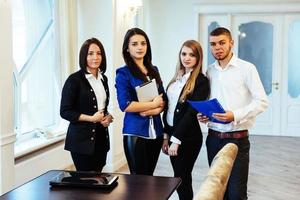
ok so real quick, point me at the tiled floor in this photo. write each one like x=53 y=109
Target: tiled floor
x=274 y=168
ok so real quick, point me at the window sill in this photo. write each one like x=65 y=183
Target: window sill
x=34 y=144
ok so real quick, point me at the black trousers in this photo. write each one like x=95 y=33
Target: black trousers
x=95 y=161
x=142 y=154
x=183 y=165
x=237 y=183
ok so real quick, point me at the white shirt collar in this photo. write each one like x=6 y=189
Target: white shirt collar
x=90 y=75
x=184 y=76
x=233 y=62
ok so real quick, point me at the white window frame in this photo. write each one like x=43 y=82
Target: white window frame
x=36 y=139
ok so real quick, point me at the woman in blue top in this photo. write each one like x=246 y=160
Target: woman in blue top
x=142 y=128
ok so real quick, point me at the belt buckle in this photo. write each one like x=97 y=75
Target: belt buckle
x=223 y=135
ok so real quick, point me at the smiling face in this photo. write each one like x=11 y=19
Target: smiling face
x=188 y=58
x=94 y=57
x=137 y=47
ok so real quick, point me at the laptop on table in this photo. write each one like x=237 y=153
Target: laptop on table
x=85 y=179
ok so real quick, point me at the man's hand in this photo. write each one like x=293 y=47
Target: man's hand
x=224 y=117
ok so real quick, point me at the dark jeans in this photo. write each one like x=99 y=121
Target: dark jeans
x=142 y=154
x=237 y=183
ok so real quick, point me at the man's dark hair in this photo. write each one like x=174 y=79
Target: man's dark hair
x=221 y=31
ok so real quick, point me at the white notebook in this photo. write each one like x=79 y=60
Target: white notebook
x=147 y=91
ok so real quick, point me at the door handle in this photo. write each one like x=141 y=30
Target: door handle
x=276 y=84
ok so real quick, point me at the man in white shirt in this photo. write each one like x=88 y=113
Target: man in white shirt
x=237 y=86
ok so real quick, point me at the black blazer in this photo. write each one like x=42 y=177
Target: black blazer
x=185 y=124
x=79 y=98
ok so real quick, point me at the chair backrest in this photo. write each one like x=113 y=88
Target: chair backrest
x=214 y=185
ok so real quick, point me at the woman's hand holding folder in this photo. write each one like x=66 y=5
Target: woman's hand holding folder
x=158 y=100
x=202 y=118
x=159 y=106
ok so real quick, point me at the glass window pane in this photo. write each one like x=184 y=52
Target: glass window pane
x=211 y=27
x=31 y=18
x=38 y=15
x=256 y=46
x=293 y=62
x=36 y=89
x=39 y=99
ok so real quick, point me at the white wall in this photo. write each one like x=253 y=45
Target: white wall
x=170 y=22
x=35 y=164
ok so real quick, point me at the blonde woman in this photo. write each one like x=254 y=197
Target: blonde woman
x=182 y=130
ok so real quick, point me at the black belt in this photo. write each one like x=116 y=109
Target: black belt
x=233 y=134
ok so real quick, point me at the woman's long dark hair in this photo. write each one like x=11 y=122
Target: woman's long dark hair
x=84 y=52
x=134 y=69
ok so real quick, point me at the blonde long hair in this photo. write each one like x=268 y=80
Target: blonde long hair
x=180 y=69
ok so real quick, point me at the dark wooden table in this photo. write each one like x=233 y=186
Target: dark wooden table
x=130 y=187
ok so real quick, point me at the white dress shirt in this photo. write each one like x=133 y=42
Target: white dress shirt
x=238 y=88
x=173 y=94
x=98 y=88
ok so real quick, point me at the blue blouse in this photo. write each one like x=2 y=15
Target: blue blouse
x=134 y=124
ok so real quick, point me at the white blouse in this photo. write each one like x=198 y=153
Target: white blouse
x=173 y=94
x=98 y=88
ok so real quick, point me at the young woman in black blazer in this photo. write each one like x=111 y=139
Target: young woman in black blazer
x=181 y=126
x=84 y=102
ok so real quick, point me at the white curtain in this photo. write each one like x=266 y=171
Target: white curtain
x=67 y=19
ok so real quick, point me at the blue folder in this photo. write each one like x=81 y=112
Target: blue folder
x=209 y=107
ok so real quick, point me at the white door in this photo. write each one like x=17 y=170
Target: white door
x=290 y=106
x=258 y=40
